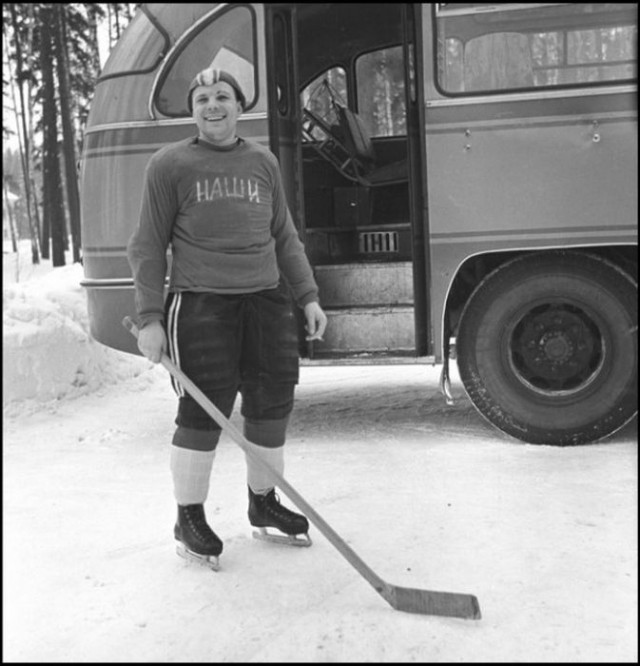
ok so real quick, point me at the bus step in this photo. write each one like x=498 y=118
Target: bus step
x=380 y=329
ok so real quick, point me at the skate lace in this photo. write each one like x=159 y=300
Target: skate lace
x=198 y=523
x=272 y=505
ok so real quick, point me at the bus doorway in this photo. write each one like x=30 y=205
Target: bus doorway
x=346 y=126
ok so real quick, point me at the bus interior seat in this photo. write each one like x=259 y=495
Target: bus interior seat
x=347 y=145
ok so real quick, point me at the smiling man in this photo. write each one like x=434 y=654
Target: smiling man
x=227 y=322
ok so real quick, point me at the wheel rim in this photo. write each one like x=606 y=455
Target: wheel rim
x=557 y=349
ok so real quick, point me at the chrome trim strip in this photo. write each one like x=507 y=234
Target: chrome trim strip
x=489 y=9
x=576 y=237
x=493 y=98
x=133 y=124
x=111 y=283
x=106 y=283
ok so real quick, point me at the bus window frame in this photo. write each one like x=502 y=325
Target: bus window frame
x=159 y=58
x=356 y=88
x=315 y=80
x=350 y=70
x=183 y=43
x=438 y=12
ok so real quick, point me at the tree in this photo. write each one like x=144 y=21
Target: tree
x=8 y=201
x=25 y=138
x=12 y=177
x=53 y=209
x=68 y=144
x=54 y=63
x=83 y=58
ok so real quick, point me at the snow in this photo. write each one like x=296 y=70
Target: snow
x=429 y=496
x=48 y=353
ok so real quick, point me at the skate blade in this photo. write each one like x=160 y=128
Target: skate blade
x=209 y=561
x=298 y=540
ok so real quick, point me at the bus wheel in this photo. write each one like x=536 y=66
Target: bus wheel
x=547 y=348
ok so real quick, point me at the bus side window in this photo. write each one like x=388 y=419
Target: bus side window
x=381 y=97
x=498 y=61
x=511 y=47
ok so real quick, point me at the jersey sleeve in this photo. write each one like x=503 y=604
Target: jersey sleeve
x=147 y=247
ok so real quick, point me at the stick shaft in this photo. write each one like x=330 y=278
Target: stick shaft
x=411 y=600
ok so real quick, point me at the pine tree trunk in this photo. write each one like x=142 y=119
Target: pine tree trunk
x=93 y=41
x=110 y=25
x=69 y=141
x=30 y=60
x=9 y=208
x=25 y=140
x=53 y=207
x=116 y=14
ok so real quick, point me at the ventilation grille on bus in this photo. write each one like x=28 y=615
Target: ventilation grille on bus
x=372 y=242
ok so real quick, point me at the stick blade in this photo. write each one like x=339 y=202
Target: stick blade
x=428 y=602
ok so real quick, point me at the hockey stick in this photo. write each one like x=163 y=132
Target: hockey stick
x=410 y=600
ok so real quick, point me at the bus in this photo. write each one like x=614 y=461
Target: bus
x=463 y=178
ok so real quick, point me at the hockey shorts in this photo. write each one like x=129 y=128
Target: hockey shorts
x=230 y=343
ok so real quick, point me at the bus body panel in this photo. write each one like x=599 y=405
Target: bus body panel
x=503 y=174
x=540 y=202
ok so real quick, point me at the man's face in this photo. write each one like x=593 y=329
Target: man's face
x=216 y=111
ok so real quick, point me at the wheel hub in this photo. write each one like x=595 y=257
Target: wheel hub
x=556 y=348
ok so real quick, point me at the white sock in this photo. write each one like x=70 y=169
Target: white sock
x=259 y=479
x=191 y=471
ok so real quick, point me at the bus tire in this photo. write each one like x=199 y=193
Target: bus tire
x=547 y=348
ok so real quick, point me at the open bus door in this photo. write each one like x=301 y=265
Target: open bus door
x=416 y=165
x=280 y=40
x=284 y=121
x=342 y=83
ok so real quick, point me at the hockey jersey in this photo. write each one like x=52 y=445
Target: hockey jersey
x=223 y=213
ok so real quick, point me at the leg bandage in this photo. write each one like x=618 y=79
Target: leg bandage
x=266 y=441
x=191 y=472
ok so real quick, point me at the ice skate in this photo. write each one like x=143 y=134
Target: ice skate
x=197 y=542
x=265 y=511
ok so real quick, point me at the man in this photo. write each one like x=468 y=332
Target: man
x=218 y=201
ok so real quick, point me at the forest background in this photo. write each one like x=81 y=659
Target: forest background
x=52 y=57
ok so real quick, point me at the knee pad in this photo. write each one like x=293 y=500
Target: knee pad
x=268 y=433
x=196 y=440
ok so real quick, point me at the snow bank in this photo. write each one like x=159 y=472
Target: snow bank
x=48 y=352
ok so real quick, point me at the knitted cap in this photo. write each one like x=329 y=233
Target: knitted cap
x=211 y=75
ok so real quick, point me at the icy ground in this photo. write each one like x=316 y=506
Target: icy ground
x=429 y=496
